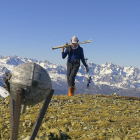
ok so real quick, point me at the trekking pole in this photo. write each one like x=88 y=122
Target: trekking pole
x=68 y=45
x=89 y=77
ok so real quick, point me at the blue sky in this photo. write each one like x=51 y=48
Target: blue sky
x=29 y=28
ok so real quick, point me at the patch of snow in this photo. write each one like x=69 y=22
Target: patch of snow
x=3 y=92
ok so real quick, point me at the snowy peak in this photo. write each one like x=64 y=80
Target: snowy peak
x=3 y=92
x=106 y=74
x=15 y=60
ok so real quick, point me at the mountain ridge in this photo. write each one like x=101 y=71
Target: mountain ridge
x=107 y=75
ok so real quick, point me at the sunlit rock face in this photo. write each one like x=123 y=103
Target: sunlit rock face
x=35 y=81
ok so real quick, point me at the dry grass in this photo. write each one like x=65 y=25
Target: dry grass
x=86 y=116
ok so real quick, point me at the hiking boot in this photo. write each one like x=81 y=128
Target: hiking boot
x=71 y=91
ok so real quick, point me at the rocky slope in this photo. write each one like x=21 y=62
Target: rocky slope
x=80 y=117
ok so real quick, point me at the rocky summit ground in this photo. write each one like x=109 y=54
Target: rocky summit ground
x=80 y=117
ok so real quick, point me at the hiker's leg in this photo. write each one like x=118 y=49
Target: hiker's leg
x=69 y=68
x=73 y=75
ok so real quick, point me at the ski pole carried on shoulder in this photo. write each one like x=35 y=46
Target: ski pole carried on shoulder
x=68 y=45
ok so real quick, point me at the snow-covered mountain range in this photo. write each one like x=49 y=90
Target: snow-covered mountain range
x=106 y=78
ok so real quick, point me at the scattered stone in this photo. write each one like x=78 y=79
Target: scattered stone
x=1 y=126
x=82 y=116
x=27 y=138
x=117 y=138
x=86 y=128
x=64 y=129
x=52 y=117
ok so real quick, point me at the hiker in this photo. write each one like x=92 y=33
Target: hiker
x=75 y=54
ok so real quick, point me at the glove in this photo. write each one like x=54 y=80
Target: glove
x=87 y=69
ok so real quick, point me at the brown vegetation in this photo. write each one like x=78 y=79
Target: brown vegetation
x=80 y=117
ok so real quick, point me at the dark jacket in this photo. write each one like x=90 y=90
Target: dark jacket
x=74 y=54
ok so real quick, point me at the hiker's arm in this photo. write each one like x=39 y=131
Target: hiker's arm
x=63 y=49
x=64 y=53
x=83 y=59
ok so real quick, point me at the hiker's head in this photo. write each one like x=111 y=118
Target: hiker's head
x=74 y=41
